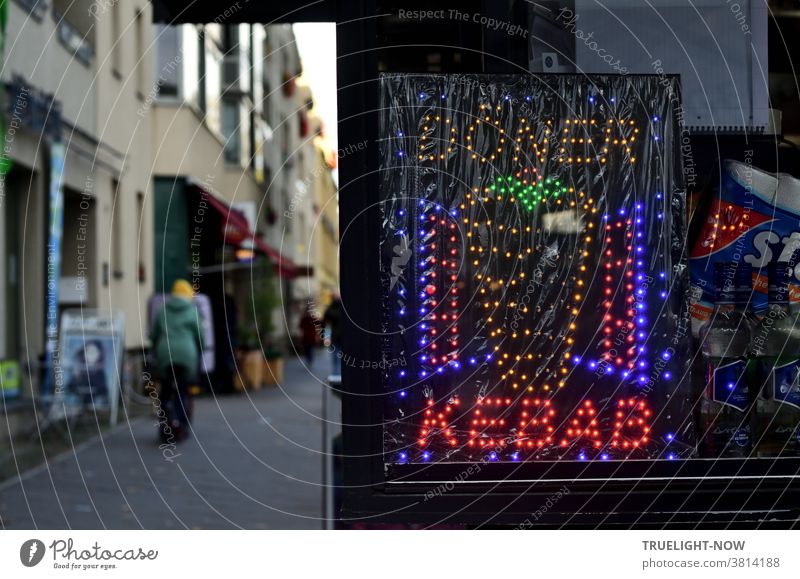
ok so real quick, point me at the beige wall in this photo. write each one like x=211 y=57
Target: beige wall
x=183 y=145
x=112 y=144
x=125 y=237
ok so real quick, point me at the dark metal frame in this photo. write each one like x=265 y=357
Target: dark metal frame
x=632 y=493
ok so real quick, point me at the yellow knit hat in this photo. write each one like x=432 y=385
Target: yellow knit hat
x=182 y=289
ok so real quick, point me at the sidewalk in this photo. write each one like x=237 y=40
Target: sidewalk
x=252 y=463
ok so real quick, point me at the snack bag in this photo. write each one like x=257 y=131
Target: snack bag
x=756 y=220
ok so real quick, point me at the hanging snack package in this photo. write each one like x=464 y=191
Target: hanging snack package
x=534 y=269
x=755 y=219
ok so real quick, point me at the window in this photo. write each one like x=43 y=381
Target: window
x=116 y=230
x=140 y=50
x=168 y=61
x=230 y=131
x=116 y=44
x=201 y=69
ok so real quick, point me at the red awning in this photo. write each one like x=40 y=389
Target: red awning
x=237 y=231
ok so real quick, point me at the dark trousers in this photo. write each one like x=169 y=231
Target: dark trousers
x=175 y=395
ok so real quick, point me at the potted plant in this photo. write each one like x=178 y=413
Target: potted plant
x=266 y=297
x=273 y=370
x=251 y=372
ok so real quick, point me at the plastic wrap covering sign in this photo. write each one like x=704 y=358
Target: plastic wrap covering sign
x=534 y=285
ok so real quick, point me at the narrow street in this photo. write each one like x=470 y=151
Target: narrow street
x=253 y=463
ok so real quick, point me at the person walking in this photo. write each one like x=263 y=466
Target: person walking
x=177 y=338
x=308 y=335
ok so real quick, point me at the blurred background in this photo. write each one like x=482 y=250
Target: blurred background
x=137 y=154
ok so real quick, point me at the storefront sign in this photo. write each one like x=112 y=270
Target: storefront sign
x=92 y=345
x=55 y=233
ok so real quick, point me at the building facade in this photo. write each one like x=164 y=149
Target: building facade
x=62 y=95
x=235 y=175
x=188 y=152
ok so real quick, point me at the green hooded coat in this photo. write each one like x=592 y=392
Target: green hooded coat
x=177 y=337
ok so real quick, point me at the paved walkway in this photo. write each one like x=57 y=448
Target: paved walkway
x=253 y=463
